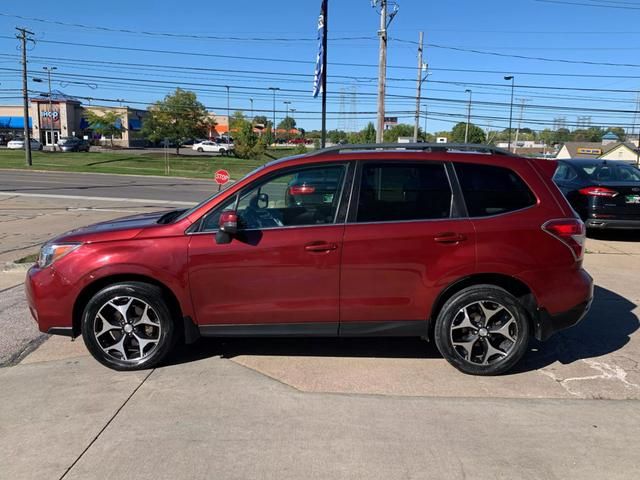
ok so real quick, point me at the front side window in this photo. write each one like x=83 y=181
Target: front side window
x=490 y=190
x=308 y=196
x=395 y=192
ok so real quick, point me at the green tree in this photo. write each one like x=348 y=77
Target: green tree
x=368 y=134
x=247 y=143
x=236 y=121
x=105 y=123
x=261 y=119
x=401 y=130
x=591 y=134
x=476 y=134
x=178 y=117
x=287 y=123
x=337 y=136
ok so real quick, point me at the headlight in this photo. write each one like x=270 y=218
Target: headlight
x=50 y=252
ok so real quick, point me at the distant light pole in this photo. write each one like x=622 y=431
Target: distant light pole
x=251 y=100
x=49 y=70
x=228 y=111
x=512 y=78
x=273 y=126
x=424 y=107
x=287 y=103
x=466 y=130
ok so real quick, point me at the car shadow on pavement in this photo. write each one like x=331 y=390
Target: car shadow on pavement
x=604 y=330
x=615 y=235
x=380 y=347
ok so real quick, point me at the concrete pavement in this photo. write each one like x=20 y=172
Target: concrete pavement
x=212 y=418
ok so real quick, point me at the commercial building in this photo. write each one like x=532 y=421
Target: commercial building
x=65 y=117
x=610 y=148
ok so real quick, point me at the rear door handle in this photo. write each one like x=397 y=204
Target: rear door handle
x=320 y=247
x=449 y=237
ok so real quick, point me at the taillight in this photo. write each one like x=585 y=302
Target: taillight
x=301 y=190
x=570 y=231
x=598 y=192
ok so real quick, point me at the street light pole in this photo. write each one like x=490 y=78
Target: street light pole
x=287 y=103
x=512 y=78
x=53 y=144
x=251 y=100
x=273 y=126
x=228 y=111
x=466 y=130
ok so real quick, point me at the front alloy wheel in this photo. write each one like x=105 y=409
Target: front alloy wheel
x=128 y=326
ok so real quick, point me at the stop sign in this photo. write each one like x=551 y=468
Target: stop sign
x=222 y=177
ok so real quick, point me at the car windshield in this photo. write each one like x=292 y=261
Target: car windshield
x=207 y=200
x=611 y=171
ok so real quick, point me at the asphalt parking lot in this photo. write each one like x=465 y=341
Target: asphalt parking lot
x=316 y=408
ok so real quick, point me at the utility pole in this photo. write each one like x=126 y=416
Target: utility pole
x=53 y=143
x=466 y=130
x=418 y=88
x=251 y=100
x=382 y=64
x=25 y=94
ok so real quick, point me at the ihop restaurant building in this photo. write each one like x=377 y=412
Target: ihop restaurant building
x=65 y=117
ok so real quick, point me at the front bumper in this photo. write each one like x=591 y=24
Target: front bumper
x=50 y=298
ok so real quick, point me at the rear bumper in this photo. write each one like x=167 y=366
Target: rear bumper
x=547 y=324
x=602 y=223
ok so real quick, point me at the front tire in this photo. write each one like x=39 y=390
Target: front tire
x=128 y=326
x=200 y=149
x=482 y=330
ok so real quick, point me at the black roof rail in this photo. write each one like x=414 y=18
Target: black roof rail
x=430 y=147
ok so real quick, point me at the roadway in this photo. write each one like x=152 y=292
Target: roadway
x=104 y=186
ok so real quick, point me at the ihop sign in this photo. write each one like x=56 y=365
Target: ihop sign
x=50 y=115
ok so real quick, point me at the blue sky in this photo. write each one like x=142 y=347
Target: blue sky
x=527 y=27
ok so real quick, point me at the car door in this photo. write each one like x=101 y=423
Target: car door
x=405 y=239
x=280 y=273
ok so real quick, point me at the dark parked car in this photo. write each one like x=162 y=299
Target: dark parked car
x=73 y=144
x=606 y=194
x=475 y=251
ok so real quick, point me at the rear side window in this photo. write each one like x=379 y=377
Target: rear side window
x=564 y=173
x=403 y=192
x=490 y=190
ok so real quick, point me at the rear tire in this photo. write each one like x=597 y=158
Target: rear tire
x=128 y=326
x=482 y=330
x=200 y=149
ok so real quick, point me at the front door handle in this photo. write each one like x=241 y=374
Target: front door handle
x=449 y=237
x=320 y=247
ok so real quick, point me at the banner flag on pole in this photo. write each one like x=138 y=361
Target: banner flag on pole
x=319 y=71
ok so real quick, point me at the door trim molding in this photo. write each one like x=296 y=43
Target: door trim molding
x=394 y=328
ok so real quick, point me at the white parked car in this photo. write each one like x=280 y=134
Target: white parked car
x=211 y=146
x=18 y=144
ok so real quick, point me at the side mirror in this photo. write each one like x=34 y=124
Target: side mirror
x=227 y=227
x=228 y=222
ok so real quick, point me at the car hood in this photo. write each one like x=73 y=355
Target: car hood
x=118 y=229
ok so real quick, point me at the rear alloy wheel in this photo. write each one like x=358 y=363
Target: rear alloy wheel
x=128 y=326
x=482 y=330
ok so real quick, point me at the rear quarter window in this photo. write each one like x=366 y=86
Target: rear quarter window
x=490 y=190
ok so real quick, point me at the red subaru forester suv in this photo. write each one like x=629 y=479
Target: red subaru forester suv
x=468 y=246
